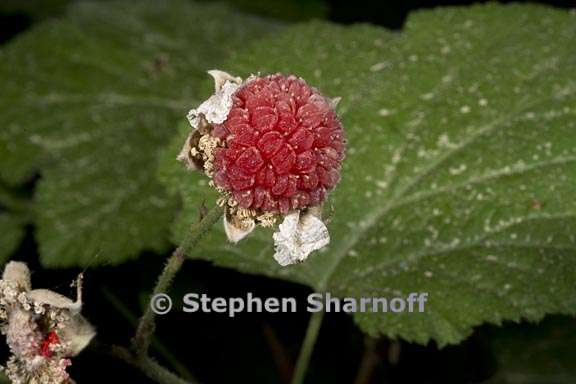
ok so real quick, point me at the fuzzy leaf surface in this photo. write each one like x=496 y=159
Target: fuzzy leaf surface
x=460 y=179
x=89 y=100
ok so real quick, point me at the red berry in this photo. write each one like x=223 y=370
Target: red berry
x=284 y=145
x=51 y=339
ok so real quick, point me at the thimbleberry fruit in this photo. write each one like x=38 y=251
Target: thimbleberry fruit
x=282 y=145
x=272 y=146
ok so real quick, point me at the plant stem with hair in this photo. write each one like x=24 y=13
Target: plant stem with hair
x=303 y=361
x=146 y=326
x=138 y=354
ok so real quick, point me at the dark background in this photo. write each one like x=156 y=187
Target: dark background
x=259 y=348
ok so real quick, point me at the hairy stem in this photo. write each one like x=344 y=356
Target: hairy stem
x=156 y=344
x=307 y=347
x=146 y=326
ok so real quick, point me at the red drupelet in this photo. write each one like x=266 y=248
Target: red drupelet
x=283 y=145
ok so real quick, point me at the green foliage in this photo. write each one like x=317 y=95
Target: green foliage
x=460 y=177
x=89 y=100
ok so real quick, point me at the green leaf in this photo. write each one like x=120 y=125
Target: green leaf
x=193 y=186
x=460 y=179
x=11 y=233
x=535 y=355
x=89 y=100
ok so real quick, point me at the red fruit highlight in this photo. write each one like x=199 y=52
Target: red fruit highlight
x=51 y=339
x=284 y=145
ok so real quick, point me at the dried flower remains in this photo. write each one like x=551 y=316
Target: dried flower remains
x=43 y=328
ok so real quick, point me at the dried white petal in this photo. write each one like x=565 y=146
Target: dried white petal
x=298 y=236
x=77 y=334
x=54 y=299
x=17 y=273
x=334 y=102
x=184 y=155
x=221 y=77
x=216 y=108
x=22 y=334
x=237 y=231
